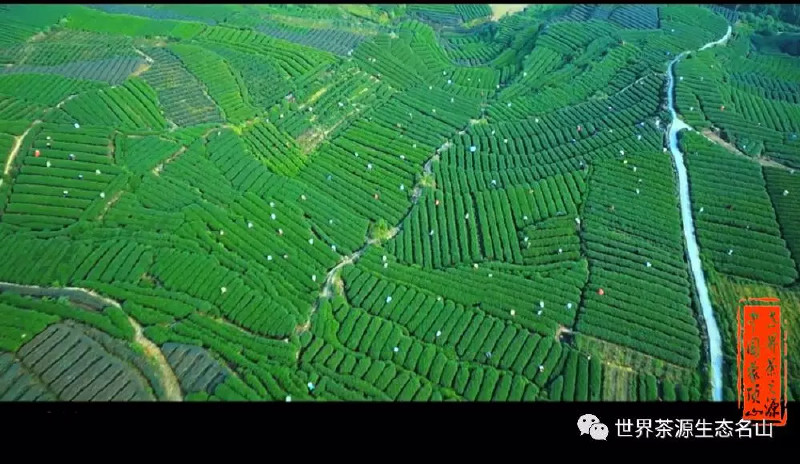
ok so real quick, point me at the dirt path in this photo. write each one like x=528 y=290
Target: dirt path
x=427 y=171
x=713 y=137
x=561 y=331
x=61 y=103
x=501 y=9
x=144 y=55
x=332 y=277
x=773 y=164
x=315 y=137
x=157 y=170
x=110 y=203
x=172 y=389
x=95 y=303
x=334 y=273
x=18 y=140
x=141 y=69
x=15 y=149
x=623 y=349
x=721 y=41
x=238 y=128
x=428 y=167
x=630 y=85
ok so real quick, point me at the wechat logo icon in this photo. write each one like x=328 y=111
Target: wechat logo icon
x=590 y=424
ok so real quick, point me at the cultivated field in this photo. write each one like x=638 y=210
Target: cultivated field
x=388 y=202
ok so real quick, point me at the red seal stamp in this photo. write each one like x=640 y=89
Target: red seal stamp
x=761 y=375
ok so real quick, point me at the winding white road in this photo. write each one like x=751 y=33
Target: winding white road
x=692 y=250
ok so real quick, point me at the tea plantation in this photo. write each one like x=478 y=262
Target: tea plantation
x=386 y=202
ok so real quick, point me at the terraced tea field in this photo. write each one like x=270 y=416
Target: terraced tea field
x=390 y=202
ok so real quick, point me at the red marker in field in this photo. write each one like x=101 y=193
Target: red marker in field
x=36 y=153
